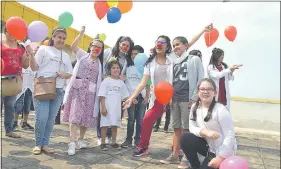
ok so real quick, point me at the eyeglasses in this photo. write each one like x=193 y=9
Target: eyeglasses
x=162 y=43
x=206 y=90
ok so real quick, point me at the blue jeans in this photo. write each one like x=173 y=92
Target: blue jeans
x=23 y=103
x=9 y=110
x=46 y=112
x=135 y=113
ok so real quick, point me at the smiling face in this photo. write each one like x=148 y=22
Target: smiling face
x=115 y=70
x=161 y=46
x=206 y=92
x=96 y=48
x=59 y=38
x=124 y=46
x=179 y=47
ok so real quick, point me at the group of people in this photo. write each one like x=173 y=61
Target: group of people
x=105 y=82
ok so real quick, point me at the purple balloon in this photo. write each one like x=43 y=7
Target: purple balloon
x=234 y=162
x=37 y=31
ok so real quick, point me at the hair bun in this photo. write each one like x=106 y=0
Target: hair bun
x=214 y=50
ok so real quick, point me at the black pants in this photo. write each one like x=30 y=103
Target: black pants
x=167 y=117
x=191 y=145
x=57 y=121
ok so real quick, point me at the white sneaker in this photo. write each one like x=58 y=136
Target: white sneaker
x=81 y=143
x=71 y=148
x=99 y=141
x=109 y=141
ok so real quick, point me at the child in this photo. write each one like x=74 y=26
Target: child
x=211 y=129
x=112 y=91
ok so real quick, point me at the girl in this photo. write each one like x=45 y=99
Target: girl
x=112 y=92
x=211 y=130
x=15 y=56
x=81 y=106
x=220 y=73
x=196 y=53
x=50 y=61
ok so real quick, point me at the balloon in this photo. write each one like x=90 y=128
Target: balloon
x=65 y=19
x=125 y=6
x=102 y=37
x=139 y=62
x=164 y=92
x=101 y=8
x=230 y=33
x=112 y=3
x=234 y=162
x=113 y=15
x=2 y=65
x=33 y=45
x=17 y=28
x=211 y=37
x=46 y=43
x=37 y=31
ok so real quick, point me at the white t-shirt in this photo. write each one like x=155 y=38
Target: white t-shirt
x=28 y=79
x=114 y=91
x=133 y=79
x=49 y=60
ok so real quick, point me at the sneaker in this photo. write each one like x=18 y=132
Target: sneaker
x=26 y=126
x=126 y=144
x=140 y=152
x=116 y=146
x=166 y=131
x=109 y=141
x=170 y=160
x=103 y=147
x=155 y=130
x=81 y=143
x=99 y=141
x=184 y=164
x=15 y=125
x=71 y=148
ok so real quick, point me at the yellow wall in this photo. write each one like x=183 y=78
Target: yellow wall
x=12 y=8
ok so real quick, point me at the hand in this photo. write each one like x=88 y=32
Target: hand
x=61 y=75
x=104 y=111
x=211 y=134
x=25 y=57
x=123 y=77
x=145 y=100
x=127 y=104
x=29 y=49
x=216 y=162
x=190 y=103
x=208 y=28
x=234 y=67
x=82 y=31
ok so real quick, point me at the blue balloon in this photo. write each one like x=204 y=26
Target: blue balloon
x=113 y=15
x=139 y=62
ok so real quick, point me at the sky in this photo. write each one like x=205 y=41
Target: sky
x=257 y=45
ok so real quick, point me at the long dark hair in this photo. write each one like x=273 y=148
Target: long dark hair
x=102 y=50
x=216 y=53
x=196 y=53
x=58 y=29
x=212 y=105
x=116 y=50
x=168 y=51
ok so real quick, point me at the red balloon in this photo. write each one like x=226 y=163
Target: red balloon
x=164 y=92
x=211 y=37
x=17 y=28
x=230 y=33
x=101 y=8
x=2 y=65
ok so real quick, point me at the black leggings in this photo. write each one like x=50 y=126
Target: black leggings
x=191 y=145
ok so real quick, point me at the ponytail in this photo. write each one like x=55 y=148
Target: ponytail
x=210 y=110
x=194 y=110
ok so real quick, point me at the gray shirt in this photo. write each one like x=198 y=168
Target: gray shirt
x=180 y=81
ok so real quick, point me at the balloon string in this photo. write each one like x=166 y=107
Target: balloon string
x=22 y=12
x=4 y=11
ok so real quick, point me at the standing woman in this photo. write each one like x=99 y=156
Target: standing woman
x=15 y=56
x=50 y=61
x=81 y=106
x=220 y=73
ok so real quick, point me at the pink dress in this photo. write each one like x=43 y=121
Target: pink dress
x=79 y=106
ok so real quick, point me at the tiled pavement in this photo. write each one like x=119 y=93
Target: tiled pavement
x=262 y=151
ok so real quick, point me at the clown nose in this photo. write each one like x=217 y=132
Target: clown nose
x=159 y=45
x=97 y=50
x=125 y=48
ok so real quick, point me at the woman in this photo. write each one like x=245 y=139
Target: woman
x=15 y=57
x=220 y=73
x=50 y=61
x=81 y=105
x=211 y=130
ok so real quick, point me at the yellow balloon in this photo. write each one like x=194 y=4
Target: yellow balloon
x=102 y=37
x=112 y=3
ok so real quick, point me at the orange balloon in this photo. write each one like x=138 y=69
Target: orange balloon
x=164 y=92
x=230 y=33
x=125 y=6
x=2 y=65
x=211 y=37
x=101 y=8
x=46 y=43
x=17 y=28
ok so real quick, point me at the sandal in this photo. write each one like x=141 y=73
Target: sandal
x=36 y=150
x=13 y=135
x=48 y=150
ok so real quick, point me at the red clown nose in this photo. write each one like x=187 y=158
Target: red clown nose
x=125 y=48
x=97 y=50
x=159 y=45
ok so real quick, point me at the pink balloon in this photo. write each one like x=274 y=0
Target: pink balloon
x=234 y=162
